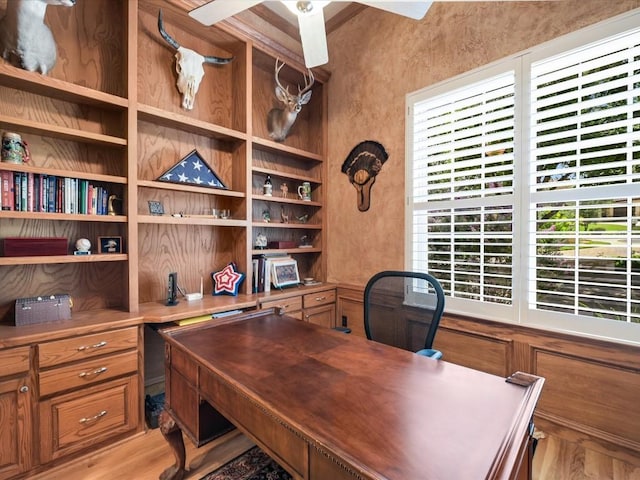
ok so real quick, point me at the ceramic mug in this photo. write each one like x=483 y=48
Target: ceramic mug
x=14 y=150
x=304 y=191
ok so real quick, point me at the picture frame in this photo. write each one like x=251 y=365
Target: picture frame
x=109 y=245
x=156 y=208
x=284 y=273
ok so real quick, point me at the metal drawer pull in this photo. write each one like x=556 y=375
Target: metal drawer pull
x=94 y=418
x=95 y=372
x=24 y=389
x=96 y=345
x=319 y=299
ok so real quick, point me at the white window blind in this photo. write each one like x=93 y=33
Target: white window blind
x=462 y=195
x=523 y=185
x=584 y=174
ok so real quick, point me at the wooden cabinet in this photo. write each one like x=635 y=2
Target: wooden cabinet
x=311 y=304
x=88 y=390
x=16 y=419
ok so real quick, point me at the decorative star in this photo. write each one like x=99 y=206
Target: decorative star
x=197 y=180
x=183 y=177
x=227 y=281
x=197 y=165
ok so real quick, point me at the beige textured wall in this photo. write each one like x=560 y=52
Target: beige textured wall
x=375 y=60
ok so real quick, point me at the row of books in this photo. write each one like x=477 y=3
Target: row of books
x=262 y=270
x=34 y=192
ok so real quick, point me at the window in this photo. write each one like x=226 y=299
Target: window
x=523 y=185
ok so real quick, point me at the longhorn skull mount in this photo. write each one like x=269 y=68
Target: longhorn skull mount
x=188 y=66
x=280 y=120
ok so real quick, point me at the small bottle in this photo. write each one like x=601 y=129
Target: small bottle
x=267 y=187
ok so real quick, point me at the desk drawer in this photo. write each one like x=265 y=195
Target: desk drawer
x=319 y=298
x=291 y=304
x=254 y=419
x=78 y=420
x=14 y=360
x=87 y=373
x=86 y=346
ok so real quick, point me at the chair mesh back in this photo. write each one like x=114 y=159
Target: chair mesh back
x=399 y=310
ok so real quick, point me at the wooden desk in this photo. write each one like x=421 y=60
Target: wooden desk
x=330 y=406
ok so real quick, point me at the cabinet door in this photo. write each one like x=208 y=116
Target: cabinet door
x=324 y=315
x=15 y=427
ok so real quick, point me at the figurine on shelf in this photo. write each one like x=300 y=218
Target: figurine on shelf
x=305 y=242
x=266 y=216
x=267 y=188
x=284 y=216
x=284 y=188
x=261 y=241
x=303 y=218
x=83 y=247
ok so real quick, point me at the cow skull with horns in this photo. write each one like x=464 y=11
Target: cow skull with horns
x=188 y=66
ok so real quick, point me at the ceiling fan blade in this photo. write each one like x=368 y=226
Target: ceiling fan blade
x=218 y=10
x=415 y=10
x=314 y=39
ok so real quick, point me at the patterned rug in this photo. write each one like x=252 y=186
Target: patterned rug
x=253 y=464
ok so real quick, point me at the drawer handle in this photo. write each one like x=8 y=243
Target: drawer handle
x=24 y=389
x=97 y=371
x=94 y=418
x=319 y=299
x=95 y=345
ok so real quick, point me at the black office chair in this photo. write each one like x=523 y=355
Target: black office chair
x=403 y=309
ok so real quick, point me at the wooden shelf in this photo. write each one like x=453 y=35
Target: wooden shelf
x=15 y=167
x=191 y=220
x=294 y=201
x=286 y=250
x=190 y=188
x=275 y=147
x=76 y=217
x=300 y=226
x=52 y=259
x=289 y=176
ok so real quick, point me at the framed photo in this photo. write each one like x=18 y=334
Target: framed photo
x=284 y=273
x=156 y=208
x=109 y=244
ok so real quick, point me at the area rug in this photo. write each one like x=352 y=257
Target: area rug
x=253 y=464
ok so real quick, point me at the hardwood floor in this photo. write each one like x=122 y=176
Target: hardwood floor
x=146 y=456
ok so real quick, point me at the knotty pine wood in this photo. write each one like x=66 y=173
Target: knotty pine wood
x=145 y=456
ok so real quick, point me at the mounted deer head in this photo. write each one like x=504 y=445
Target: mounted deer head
x=188 y=66
x=25 y=40
x=280 y=120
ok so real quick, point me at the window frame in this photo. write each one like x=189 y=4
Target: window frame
x=520 y=63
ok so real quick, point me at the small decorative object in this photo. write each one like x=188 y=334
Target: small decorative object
x=284 y=273
x=266 y=216
x=188 y=66
x=83 y=247
x=280 y=120
x=227 y=281
x=305 y=242
x=267 y=188
x=261 y=241
x=109 y=244
x=362 y=165
x=156 y=208
x=114 y=205
x=225 y=213
x=304 y=191
x=14 y=150
x=303 y=218
x=192 y=170
x=284 y=216
x=172 y=289
x=26 y=41
x=284 y=188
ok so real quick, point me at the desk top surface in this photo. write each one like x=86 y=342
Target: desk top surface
x=386 y=411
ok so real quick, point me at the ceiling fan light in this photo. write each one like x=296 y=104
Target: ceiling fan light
x=301 y=7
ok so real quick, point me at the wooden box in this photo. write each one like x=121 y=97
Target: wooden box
x=29 y=246
x=282 y=244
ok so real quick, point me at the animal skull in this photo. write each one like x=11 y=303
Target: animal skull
x=188 y=67
x=190 y=73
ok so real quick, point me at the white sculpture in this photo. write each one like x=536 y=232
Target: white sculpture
x=188 y=66
x=25 y=40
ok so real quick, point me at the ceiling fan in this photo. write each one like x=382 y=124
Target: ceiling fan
x=310 y=19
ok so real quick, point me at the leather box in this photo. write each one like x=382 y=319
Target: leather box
x=30 y=246
x=282 y=244
x=32 y=310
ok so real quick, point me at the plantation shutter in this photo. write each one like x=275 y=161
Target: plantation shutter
x=461 y=193
x=584 y=179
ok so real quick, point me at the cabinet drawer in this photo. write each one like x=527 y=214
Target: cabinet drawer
x=319 y=298
x=81 y=419
x=14 y=360
x=86 y=346
x=87 y=373
x=291 y=304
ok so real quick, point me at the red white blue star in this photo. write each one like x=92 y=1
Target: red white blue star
x=227 y=281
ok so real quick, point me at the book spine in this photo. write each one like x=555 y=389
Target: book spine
x=51 y=202
x=24 y=186
x=8 y=198
x=30 y=192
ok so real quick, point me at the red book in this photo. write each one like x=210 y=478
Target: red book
x=6 y=190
